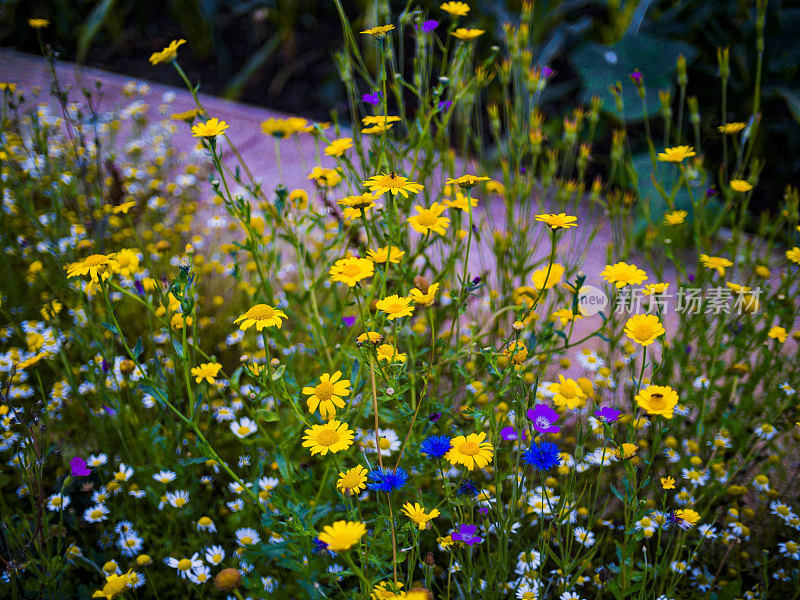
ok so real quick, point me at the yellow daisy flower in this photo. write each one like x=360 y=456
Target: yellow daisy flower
x=425 y=298
x=715 y=262
x=211 y=128
x=379 y=31
x=392 y=183
x=658 y=400
x=622 y=274
x=470 y=451
x=568 y=394
x=328 y=394
x=351 y=270
x=388 y=353
x=555 y=275
x=731 y=127
x=261 y=315
x=96 y=266
x=167 y=54
x=644 y=329
x=393 y=254
x=741 y=186
x=342 y=535
x=676 y=154
x=38 y=23
x=353 y=481
x=467 y=35
x=325 y=177
x=207 y=371
x=396 y=306
x=559 y=221
x=794 y=255
x=417 y=513
x=332 y=437
x=338 y=147
x=429 y=219
x=466 y=181
x=676 y=217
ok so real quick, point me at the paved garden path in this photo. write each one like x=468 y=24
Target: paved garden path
x=298 y=158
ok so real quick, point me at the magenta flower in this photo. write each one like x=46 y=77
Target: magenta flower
x=78 y=467
x=372 y=98
x=510 y=434
x=349 y=321
x=429 y=26
x=467 y=534
x=547 y=72
x=607 y=413
x=445 y=105
x=636 y=76
x=543 y=418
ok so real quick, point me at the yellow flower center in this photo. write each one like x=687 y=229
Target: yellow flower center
x=567 y=390
x=351 y=270
x=327 y=437
x=427 y=218
x=56 y=501
x=657 y=401
x=324 y=391
x=469 y=448
x=96 y=514
x=130 y=543
x=384 y=444
x=642 y=331
x=205 y=521
x=243 y=430
x=179 y=502
x=261 y=313
x=247 y=540
x=184 y=564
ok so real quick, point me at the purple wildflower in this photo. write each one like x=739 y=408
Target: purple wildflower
x=429 y=26
x=139 y=287
x=636 y=76
x=544 y=419
x=433 y=417
x=372 y=98
x=104 y=365
x=78 y=467
x=445 y=105
x=349 y=321
x=510 y=434
x=607 y=413
x=467 y=534
x=110 y=411
x=483 y=510
x=547 y=72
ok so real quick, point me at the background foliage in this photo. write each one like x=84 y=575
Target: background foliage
x=267 y=51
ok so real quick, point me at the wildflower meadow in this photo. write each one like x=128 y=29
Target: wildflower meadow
x=487 y=351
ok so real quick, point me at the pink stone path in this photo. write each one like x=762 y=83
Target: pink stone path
x=298 y=157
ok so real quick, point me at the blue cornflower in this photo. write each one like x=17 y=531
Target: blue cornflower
x=435 y=446
x=387 y=480
x=467 y=488
x=542 y=456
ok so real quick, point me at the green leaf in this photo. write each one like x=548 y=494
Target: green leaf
x=267 y=415
x=178 y=348
x=92 y=25
x=600 y=66
x=112 y=328
x=278 y=372
x=138 y=349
